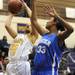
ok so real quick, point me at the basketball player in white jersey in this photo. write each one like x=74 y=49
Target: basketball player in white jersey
x=20 y=48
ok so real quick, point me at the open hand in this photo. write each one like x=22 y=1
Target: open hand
x=51 y=11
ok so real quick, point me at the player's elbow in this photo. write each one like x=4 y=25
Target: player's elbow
x=70 y=30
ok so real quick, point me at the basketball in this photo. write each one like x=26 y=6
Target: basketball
x=14 y=6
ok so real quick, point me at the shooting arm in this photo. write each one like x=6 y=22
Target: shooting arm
x=28 y=10
x=8 y=27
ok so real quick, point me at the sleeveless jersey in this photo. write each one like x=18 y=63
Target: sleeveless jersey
x=20 y=48
x=48 y=53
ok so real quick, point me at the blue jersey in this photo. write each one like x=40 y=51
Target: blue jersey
x=48 y=53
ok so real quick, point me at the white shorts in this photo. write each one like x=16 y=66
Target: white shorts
x=18 y=68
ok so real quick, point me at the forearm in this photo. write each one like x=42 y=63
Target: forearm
x=34 y=16
x=68 y=29
x=28 y=10
x=65 y=23
x=8 y=27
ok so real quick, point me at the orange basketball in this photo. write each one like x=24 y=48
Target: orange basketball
x=14 y=6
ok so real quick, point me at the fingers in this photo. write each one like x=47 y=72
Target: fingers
x=54 y=10
x=49 y=11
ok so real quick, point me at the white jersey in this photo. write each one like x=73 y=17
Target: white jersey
x=20 y=48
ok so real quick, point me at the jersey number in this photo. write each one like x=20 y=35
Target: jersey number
x=41 y=49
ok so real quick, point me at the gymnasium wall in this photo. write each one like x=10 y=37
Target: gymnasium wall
x=70 y=42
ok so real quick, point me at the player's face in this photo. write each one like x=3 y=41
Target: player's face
x=51 y=26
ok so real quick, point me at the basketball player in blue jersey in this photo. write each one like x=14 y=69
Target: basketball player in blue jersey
x=48 y=52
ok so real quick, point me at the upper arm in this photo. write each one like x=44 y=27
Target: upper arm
x=11 y=31
x=8 y=26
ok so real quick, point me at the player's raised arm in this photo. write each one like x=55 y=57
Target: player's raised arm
x=8 y=26
x=34 y=21
x=68 y=28
x=29 y=12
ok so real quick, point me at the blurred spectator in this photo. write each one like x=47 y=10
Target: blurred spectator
x=4 y=47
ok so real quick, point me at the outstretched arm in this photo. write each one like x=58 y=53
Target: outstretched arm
x=28 y=10
x=34 y=21
x=8 y=27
